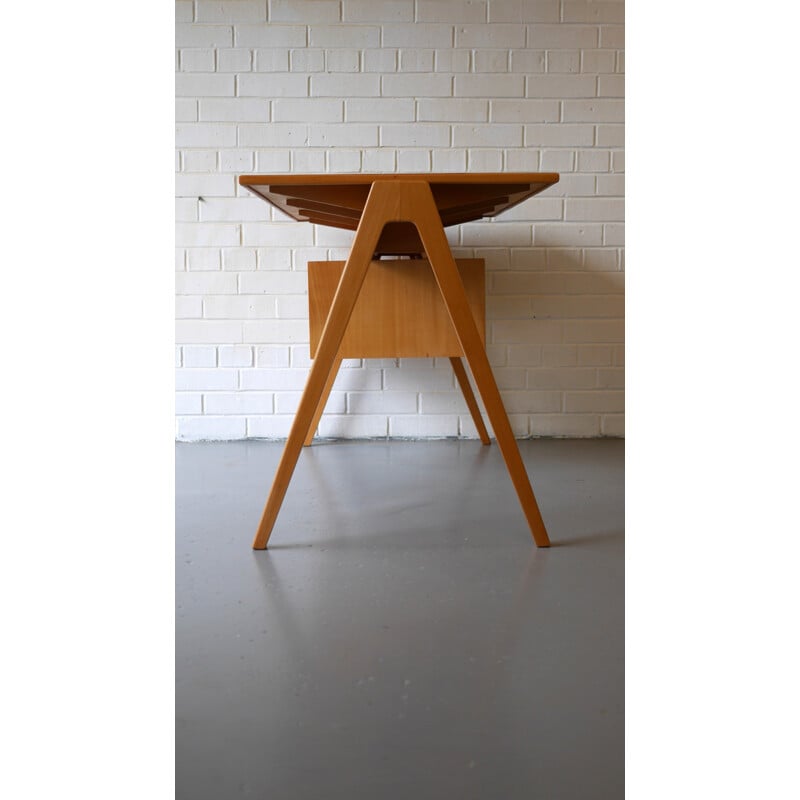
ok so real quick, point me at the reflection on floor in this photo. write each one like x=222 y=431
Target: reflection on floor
x=402 y=637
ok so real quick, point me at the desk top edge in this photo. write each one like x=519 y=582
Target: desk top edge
x=360 y=178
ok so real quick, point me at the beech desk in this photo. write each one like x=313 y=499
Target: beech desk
x=398 y=308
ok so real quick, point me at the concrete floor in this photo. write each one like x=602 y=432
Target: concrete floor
x=402 y=637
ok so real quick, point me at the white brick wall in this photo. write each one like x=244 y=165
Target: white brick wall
x=400 y=85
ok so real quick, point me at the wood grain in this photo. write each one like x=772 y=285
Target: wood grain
x=323 y=401
x=399 y=312
x=338 y=200
x=404 y=199
x=378 y=208
x=469 y=397
x=421 y=204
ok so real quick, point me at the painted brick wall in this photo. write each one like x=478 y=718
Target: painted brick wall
x=397 y=86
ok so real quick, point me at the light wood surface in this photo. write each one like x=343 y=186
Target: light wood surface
x=339 y=200
x=419 y=204
x=472 y=403
x=323 y=401
x=379 y=208
x=399 y=313
x=406 y=199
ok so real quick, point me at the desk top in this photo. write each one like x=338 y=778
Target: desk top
x=338 y=200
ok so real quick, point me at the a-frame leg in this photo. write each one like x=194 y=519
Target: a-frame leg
x=326 y=393
x=472 y=403
x=421 y=210
x=376 y=211
x=401 y=201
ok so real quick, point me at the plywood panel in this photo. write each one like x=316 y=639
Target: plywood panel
x=337 y=200
x=399 y=312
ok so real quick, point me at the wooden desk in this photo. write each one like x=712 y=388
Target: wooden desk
x=398 y=215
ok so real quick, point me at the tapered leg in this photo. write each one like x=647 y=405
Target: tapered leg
x=376 y=211
x=472 y=403
x=403 y=201
x=326 y=392
x=444 y=267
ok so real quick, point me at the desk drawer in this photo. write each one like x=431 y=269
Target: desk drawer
x=399 y=312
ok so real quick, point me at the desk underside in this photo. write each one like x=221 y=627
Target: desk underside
x=339 y=200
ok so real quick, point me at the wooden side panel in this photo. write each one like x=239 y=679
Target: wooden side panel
x=399 y=312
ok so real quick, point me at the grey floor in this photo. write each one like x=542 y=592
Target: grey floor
x=402 y=637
